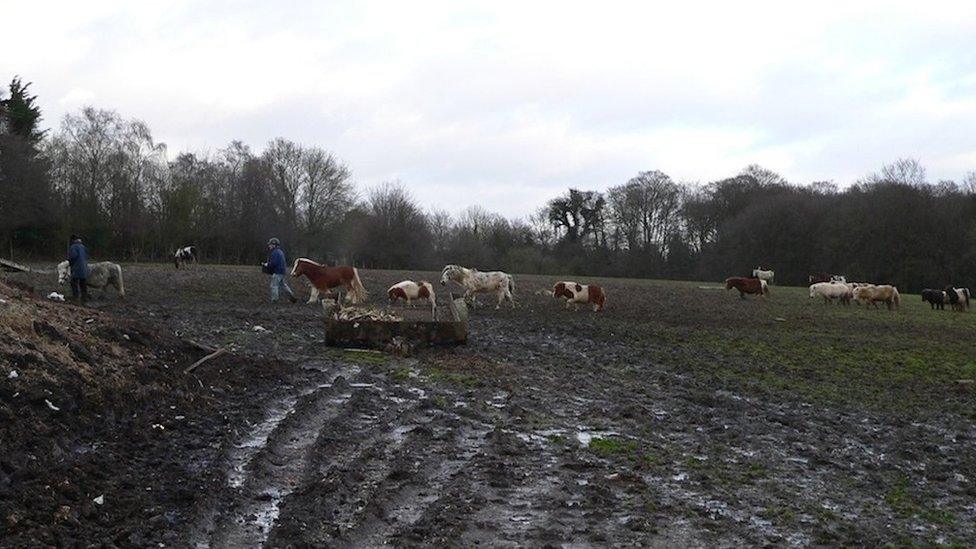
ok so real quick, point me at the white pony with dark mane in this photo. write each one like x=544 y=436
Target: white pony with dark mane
x=763 y=275
x=476 y=282
x=101 y=275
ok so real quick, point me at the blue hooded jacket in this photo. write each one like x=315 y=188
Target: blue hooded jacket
x=78 y=259
x=277 y=261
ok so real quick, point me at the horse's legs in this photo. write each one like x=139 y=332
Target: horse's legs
x=313 y=296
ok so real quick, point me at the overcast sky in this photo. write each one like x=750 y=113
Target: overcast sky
x=508 y=104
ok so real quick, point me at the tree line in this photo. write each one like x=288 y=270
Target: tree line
x=104 y=176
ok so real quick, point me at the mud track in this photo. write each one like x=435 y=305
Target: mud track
x=554 y=427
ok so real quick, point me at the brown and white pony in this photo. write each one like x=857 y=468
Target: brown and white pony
x=745 y=286
x=474 y=281
x=324 y=278
x=575 y=293
x=409 y=290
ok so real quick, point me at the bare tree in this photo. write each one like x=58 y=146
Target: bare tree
x=764 y=176
x=327 y=193
x=968 y=184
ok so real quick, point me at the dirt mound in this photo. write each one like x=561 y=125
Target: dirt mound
x=96 y=416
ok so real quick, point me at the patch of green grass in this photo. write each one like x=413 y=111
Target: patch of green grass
x=612 y=446
x=557 y=439
x=401 y=373
x=897 y=497
x=778 y=515
x=436 y=374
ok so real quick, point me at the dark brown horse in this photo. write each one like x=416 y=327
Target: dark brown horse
x=747 y=286
x=324 y=278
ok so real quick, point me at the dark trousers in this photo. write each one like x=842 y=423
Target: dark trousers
x=79 y=286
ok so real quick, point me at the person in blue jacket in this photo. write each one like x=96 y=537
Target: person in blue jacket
x=78 y=261
x=276 y=264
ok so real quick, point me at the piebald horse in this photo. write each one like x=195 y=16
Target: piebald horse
x=324 y=278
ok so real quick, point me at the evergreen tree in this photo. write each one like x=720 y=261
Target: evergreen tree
x=23 y=116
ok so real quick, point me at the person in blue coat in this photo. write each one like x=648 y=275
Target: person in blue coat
x=277 y=265
x=78 y=261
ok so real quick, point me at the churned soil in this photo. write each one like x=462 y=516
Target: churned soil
x=679 y=416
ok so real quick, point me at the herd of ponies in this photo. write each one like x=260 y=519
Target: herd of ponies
x=323 y=279
x=836 y=288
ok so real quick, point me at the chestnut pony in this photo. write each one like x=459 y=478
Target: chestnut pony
x=324 y=278
x=747 y=286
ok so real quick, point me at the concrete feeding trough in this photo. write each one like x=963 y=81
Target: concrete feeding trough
x=384 y=334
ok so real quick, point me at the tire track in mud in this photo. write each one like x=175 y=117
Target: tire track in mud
x=378 y=470
x=270 y=460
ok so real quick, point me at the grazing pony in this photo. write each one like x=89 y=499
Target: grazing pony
x=873 y=294
x=101 y=275
x=575 y=293
x=766 y=276
x=324 y=278
x=745 y=286
x=409 y=290
x=185 y=255
x=958 y=297
x=474 y=282
x=935 y=298
x=831 y=291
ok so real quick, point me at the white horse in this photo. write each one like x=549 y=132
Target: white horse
x=475 y=282
x=832 y=290
x=101 y=275
x=763 y=275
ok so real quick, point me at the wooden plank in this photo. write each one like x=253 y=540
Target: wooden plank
x=13 y=267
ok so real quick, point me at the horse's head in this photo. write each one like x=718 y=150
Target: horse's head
x=728 y=284
x=64 y=272
x=450 y=272
x=298 y=268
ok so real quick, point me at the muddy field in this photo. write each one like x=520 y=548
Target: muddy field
x=680 y=416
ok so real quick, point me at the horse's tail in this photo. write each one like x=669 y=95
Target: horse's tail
x=765 y=287
x=176 y=259
x=965 y=293
x=359 y=293
x=895 y=298
x=511 y=284
x=118 y=275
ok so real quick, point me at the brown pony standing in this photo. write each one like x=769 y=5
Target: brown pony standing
x=747 y=286
x=324 y=278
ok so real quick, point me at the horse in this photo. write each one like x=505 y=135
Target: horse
x=832 y=290
x=185 y=255
x=840 y=279
x=324 y=278
x=763 y=275
x=409 y=290
x=958 y=297
x=101 y=275
x=873 y=294
x=818 y=278
x=474 y=282
x=576 y=293
x=935 y=298
x=745 y=286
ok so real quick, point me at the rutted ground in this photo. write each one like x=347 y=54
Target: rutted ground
x=680 y=416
